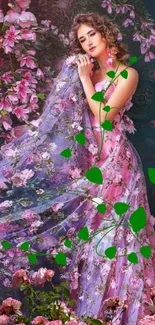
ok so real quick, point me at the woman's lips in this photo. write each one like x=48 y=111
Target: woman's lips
x=92 y=49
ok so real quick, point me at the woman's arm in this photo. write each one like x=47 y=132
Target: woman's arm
x=124 y=89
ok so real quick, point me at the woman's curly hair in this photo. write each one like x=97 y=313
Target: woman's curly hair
x=101 y=23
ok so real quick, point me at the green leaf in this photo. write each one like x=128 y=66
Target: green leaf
x=66 y=293
x=94 y=175
x=111 y=74
x=145 y=251
x=63 y=284
x=107 y=125
x=138 y=219
x=83 y=233
x=4 y=28
x=80 y=138
x=151 y=172
x=101 y=208
x=66 y=153
x=95 y=322
x=133 y=59
x=60 y=258
x=41 y=96
x=124 y=74
x=68 y=243
x=121 y=207
x=32 y=258
x=98 y=96
x=133 y=258
x=25 y=246
x=5 y=244
x=111 y=252
x=106 y=108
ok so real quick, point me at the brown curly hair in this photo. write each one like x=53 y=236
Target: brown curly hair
x=101 y=23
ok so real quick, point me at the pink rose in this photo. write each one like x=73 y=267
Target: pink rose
x=4 y=320
x=55 y=322
x=39 y=320
x=9 y=305
x=20 y=277
x=41 y=276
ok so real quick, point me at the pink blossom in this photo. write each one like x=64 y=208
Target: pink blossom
x=146 y=24
x=11 y=17
x=74 y=172
x=107 y=3
x=6 y=126
x=1 y=16
x=6 y=204
x=21 y=112
x=23 y=4
x=4 y=320
x=10 y=304
x=20 y=277
x=7 y=77
x=30 y=215
x=147 y=320
x=20 y=179
x=22 y=89
x=57 y=206
x=27 y=19
x=118 y=178
x=149 y=56
x=132 y=14
x=5 y=104
x=11 y=37
x=41 y=276
x=28 y=35
x=33 y=102
x=93 y=149
x=40 y=320
x=46 y=23
x=28 y=61
x=39 y=74
x=13 y=99
x=128 y=22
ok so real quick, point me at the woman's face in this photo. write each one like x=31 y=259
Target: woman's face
x=89 y=37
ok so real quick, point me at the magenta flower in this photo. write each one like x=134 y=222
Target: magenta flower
x=54 y=322
x=28 y=35
x=4 y=319
x=10 y=304
x=11 y=17
x=149 y=56
x=57 y=206
x=21 y=112
x=107 y=3
x=20 y=277
x=41 y=276
x=27 y=19
x=128 y=22
x=39 y=320
x=7 y=77
x=132 y=14
x=39 y=74
x=28 y=61
x=23 y=4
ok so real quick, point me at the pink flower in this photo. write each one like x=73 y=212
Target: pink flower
x=147 y=320
x=23 y=4
x=11 y=17
x=93 y=149
x=27 y=19
x=5 y=104
x=20 y=277
x=40 y=320
x=21 y=112
x=41 y=276
x=28 y=61
x=6 y=204
x=132 y=14
x=149 y=56
x=128 y=22
x=10 y=304
x=11 y=37
x=57 y=206
x=74 y=172
x=13 y=99
x=20 y=179
x=107 y=3
x=28 y=35
x=4 y=320
x=39 y=74
x=1 y=16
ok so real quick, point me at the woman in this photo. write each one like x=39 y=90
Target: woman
x=45 y=198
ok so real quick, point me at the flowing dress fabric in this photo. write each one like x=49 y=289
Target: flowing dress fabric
x=41 y=201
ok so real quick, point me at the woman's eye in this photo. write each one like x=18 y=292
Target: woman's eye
x=90 y=35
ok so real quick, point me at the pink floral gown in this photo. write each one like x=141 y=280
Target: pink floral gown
x=94 y=278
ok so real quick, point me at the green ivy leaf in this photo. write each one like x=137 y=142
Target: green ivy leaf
x=151 y=172
x=111 y=74
x=6 y=244
x=133 y=258
x=83 y=233
x=145 y=251
x=41 y=96
x=60 y=258
x=121 y=207
x=32 y=258
x=138 y=219
x=66 y=153
x=107 y=125
x=94 y=175
x=106 y=108
x=98 y=96
x=133 y=59
x=111 y=252
x=80 y=138
x=68 y=243
x=25 y=246
x=124 y=74
x=101 y=208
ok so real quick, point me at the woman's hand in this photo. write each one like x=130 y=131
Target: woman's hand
x=84 y=66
